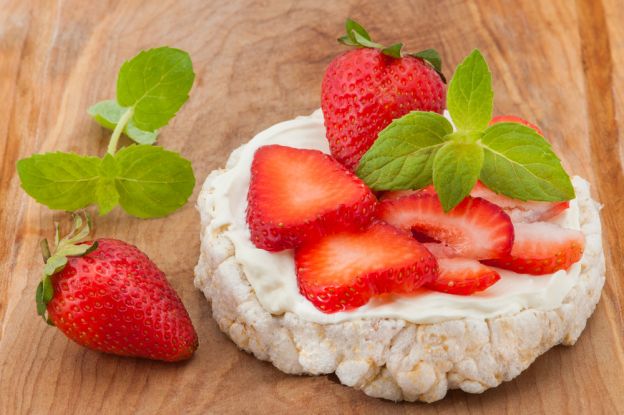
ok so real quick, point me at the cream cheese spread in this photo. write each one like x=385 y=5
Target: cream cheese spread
x=273 y=277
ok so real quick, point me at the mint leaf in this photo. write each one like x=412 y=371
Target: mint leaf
x=106 y=195
x=63 y=181
x=402 y=156
x=140 y=136
x=108 y=113
x=520 y=163
x=152 y=182
x=155 y=84
x=456 y=169
x=470 y=97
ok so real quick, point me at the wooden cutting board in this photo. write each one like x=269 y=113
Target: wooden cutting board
x=558 y=63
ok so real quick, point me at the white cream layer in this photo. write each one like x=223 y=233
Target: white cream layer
x=273 y=278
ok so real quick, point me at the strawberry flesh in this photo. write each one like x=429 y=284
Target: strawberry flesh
x=542 y=248
x=344 y=270
x=116 y=300
x=363 y=90
x=518 y=210
x=474 y=229
x=299 y=195
x=463 y=276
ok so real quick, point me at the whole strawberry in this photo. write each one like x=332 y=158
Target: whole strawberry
x=109 y=296
x=364 y=89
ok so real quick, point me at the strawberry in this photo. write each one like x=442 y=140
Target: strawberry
x=364 y=89
x=344 y=270
x=474 y=229
x=519 y=211
x=298 y=195
x=462 y=276
x=109 y=296
x=542 y=248
x=513 y=118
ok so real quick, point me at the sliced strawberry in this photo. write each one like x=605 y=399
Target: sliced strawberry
x=518 y=210
x=463 y=276
x=342 y=271
x=298 y=195
x=513 y=118
x=474 y=229
x=542 y=248
x=439 y=250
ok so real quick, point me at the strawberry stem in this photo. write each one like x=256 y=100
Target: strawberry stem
x=69 y=246
x=45 y=250
x=358 y=36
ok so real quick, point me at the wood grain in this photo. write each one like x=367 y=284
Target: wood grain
x=559 y=63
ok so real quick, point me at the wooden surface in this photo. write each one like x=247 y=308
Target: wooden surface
x=559 y=63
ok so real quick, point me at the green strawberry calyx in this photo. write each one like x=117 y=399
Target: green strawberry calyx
x=69 y=246
x=358 y=36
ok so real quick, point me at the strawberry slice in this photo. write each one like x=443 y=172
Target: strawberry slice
x=518 y=210
x=542 y=248
x=474 y=229
x=516 y=119
x=462 y=276
x=342 y=271
x=298 y=195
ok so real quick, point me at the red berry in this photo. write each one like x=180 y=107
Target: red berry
x=542 y=248
x=519 y=211
x=513 y=118
x=116 y=300
x=363 y=90
x=463 y=276
x=343 y=271
x=475 y=228
x=299 y=195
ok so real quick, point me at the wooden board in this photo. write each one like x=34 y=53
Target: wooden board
x=559 y=63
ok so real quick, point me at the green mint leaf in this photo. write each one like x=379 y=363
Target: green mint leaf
x=63 y=181
x=520 y=163
x=456 y=169
x=402 y=156
x=155 y=84
x=140 y=136
x=106 y=195
x=108 y=113
x=393 y=50
x=432 y=56
x=470 y=97
x=152 y=182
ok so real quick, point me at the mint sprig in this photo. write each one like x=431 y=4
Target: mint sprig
x=147 y=181
x=421 y=148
